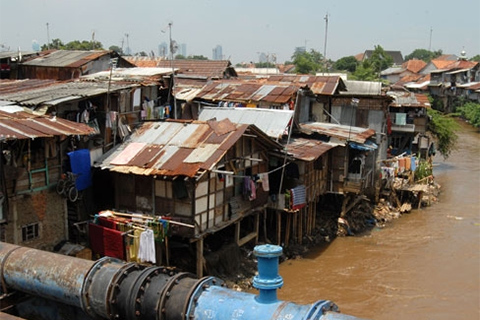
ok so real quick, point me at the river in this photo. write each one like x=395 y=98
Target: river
x=424 y=265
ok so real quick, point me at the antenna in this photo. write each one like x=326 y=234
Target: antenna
x=128 y=46
x=48 y=38
x=325 y=46
x=430 y=43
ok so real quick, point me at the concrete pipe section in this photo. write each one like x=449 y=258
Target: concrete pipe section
x=113 y=289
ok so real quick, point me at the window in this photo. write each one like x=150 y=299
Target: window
x=30 y=232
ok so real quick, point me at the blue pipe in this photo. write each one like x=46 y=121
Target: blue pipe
x=113 y=289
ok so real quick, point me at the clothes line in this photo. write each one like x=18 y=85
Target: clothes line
x=140 y=216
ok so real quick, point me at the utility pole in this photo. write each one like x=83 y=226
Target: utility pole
x=430 y=43
x=128 y=46
x=173 y=70
x=48 y=38
x=325 y=45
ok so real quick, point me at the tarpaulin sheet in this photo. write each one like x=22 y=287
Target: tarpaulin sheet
x=80 y=165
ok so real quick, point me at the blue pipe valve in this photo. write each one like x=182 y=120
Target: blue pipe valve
x=268 y=280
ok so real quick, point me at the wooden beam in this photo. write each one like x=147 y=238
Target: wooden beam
x=200 y=258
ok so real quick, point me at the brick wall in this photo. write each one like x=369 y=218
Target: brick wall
x=47 y=209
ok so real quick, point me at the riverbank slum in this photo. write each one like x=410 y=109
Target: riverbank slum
x=203 y=163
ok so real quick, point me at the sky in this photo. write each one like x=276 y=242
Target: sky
x=247 y=28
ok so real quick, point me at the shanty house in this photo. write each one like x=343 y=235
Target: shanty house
x=31 y=211
x=69 y=64
x=201 y=173
x=407 y=123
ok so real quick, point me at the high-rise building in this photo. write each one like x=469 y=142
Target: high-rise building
x=182 y=49
x=217 y=53
x=163 y=49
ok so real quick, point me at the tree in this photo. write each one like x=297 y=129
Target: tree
x=264 y=65
x=55 y=44
x=369 y=69
x=443 y=129
x=346 y=64
x=471 y=112
x=423 y=54
x=198 y=57
x=307 y=62
x=475 y=58
x=364 y=72
x=73 y=45
x=117 y=49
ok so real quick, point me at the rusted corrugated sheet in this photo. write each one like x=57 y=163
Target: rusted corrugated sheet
x=67 y=58
x=17 y=124
x=308 y=149
x=214 y=69
x=342 y=132
x=192 y=148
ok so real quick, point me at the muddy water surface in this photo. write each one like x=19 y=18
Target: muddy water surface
x=425 y=265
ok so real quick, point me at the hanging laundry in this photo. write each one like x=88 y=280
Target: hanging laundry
x=146 y=250
x=95 y=233
x=113 y=243
x=265 y=182
x=133 y=244
x=298 y=197
x=253 y=191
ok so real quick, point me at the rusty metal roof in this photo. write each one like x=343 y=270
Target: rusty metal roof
x=67 y=58
x=176 y=148
x=247 y=91
x=321 y=85
x=338 y=131
x=213 y=69
x=52 y=93
x=273 y=122
x=17 y=123
x=129 y=74
x=408 y=99
x=308 y=149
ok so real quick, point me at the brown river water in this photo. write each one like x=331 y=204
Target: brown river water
x=424 y=265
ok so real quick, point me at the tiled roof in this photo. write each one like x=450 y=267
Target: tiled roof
x=215 y=69
x=414 y=65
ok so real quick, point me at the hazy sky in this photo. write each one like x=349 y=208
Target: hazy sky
x=246 y=28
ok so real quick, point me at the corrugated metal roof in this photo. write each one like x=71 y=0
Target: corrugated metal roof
x=129 y=74
x=308 y=149
x=175 y=148
x=408 y=99
x=321 y=85
x=342 y=132
x=57 y=92
x=246 y=92
x=214 y=69
x=67 y=58
x=362 y=88
x=272 y=122
x=16 y=123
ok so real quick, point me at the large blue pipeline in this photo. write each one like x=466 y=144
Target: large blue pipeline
x=113 y=289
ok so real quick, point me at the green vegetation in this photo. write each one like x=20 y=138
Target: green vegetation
x=307 y=62
x=369 y=69
x=423 y=170
x=475 y=58
x=346 y=64
x=471 y=112
x=443 y=128
x=423 y=54
x=73 y=45
x=194 y=57
x=264 y=65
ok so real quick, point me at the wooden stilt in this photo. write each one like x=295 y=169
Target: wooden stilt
x=200 y=258
x=287 y=229
x=279 y=227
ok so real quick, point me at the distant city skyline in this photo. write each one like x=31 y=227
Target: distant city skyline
x=244 y=28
